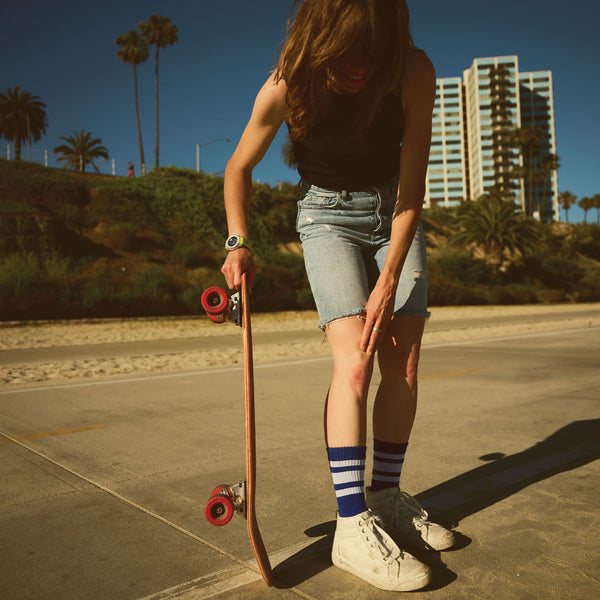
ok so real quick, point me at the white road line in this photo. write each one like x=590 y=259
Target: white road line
x=511 y=337
x=45 y=388
x=208 y=586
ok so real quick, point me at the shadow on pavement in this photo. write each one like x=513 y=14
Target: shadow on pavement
x=570 y=447
x=448 y=503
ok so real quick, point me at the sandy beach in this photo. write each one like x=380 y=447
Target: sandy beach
x=447 y=324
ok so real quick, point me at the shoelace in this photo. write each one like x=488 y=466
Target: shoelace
x=413 y=505
x=409 y=508
x=370 y=525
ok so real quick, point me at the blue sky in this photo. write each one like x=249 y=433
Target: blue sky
x=63 y=51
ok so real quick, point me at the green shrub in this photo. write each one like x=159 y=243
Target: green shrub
x=19 y=275
x=26 y=272
x=73 y=216
x=98 y=290
x=523 y=294
x=588 y=287
x=438 y=216
x=445 y=291
x=122 y=236
x=585 y=239
x=153 y=283
x=511 y=294
x=188 y=254
x=120 y=200
x=30 y=183
x=277 y=288
x=559 y=273
x=552 y=296
x=176 y=218
x=461 y=266
x=191 y=299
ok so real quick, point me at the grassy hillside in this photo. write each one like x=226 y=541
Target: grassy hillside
x=75 y=245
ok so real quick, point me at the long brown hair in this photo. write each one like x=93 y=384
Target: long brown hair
x=321 y=39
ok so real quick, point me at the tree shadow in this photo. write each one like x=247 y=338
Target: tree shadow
x=570 y=447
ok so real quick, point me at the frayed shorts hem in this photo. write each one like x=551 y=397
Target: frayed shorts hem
x=347 y=315
x=360 y=314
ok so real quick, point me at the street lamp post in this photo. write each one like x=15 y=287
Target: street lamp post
x=198 y=146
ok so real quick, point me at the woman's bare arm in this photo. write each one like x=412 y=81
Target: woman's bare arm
x=269 y=112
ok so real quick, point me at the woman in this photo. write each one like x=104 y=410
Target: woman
x=353 y=91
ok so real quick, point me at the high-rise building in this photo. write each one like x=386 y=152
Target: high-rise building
x=447 y=174
x=472 y=150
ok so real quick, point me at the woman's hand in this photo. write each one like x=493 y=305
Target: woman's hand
x=380 y=309
x=237 y=262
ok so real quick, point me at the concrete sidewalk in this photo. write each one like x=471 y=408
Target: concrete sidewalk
x=104 y=483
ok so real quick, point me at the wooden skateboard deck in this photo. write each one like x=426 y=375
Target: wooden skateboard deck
x=241 y=498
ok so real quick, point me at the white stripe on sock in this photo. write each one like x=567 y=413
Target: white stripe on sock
x=347 y=477
x=338 y=464
x=349 y=492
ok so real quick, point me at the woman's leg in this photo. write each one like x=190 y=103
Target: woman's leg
x=346 y=407
x=396 y=401
x=393 y=417
x=360 y=546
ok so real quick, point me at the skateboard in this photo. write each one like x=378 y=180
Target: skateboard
x=226 y=500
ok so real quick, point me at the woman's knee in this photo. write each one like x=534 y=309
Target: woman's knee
x=361 y=371
x=356 y=368
x=400 y=353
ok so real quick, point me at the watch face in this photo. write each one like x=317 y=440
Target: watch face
x=232 y=241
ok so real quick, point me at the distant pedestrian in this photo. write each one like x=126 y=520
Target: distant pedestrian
x=131 y=172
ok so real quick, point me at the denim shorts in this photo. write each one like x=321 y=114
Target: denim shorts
x=345 y=237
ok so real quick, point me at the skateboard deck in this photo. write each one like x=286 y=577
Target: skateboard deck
x=226 y=500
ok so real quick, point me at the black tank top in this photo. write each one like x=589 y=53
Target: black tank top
x=332 y=157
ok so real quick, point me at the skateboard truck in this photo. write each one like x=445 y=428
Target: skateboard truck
x=224 y=501
x=220 y=308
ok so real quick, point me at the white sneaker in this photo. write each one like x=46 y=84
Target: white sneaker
x=406 y=520
x=362 y=548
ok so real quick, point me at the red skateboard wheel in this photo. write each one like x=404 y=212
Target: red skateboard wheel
x=220 y=318
x=214 y=300
x=219 y=510
x=222 y=490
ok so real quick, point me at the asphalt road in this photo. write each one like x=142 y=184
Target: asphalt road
x=104 y=482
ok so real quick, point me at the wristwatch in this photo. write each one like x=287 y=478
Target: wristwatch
x=236 y=241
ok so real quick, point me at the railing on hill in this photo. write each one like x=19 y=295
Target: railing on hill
x=106 y=167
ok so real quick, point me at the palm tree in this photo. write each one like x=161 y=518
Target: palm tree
x=22 y=116
x=528 y=139
x=596 y=205
x=134 y=51
x=80 y=151
x=567 y=200
x=160 y=32
x=585 y=204
x=493 y=225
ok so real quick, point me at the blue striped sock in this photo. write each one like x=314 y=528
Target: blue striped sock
x=347 y=466
x=388 y=459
